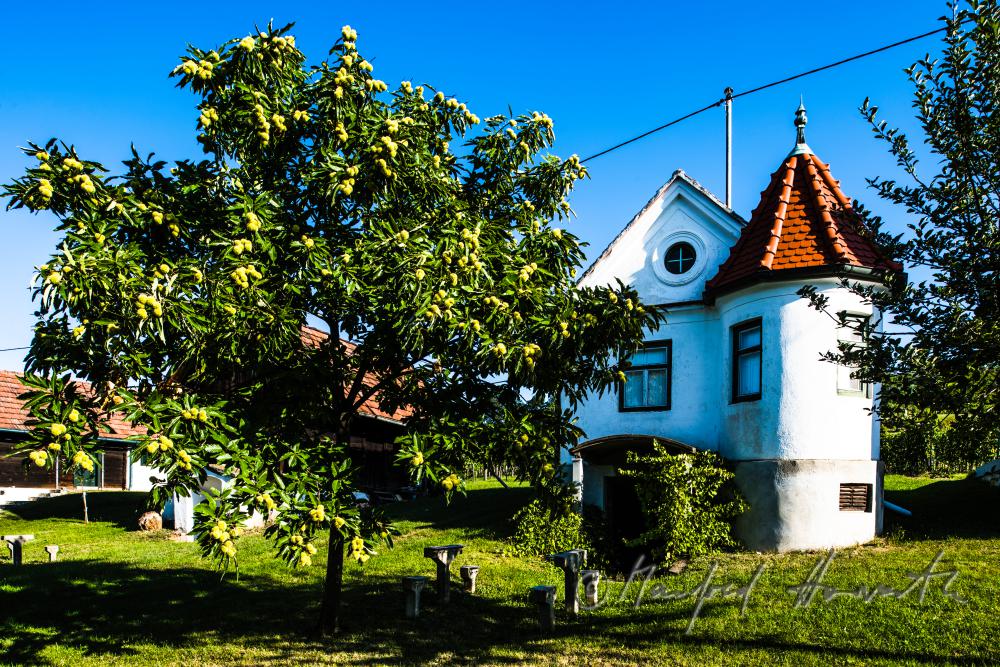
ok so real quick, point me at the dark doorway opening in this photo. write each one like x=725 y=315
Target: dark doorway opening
x=626 y=520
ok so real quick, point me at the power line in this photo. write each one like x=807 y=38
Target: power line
x=654 y=130
x=841 y=62
x=757 y=89
x=12 y=349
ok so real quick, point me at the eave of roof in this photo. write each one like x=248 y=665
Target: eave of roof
x=14 y=416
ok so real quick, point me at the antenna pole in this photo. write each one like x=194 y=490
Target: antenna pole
x=729 y=147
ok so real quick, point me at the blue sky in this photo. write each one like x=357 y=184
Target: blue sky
x=95 y=75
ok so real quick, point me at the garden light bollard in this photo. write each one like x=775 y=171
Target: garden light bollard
x=15 y=544
x=53 y=551
x=469 y=574
x=412 y=587
x=591 y=580
x=570 y=563
x=544 y=599
x=442 y=557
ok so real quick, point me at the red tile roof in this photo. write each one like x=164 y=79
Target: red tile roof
x=313 y=337
x=803 y=221
x=13 y=415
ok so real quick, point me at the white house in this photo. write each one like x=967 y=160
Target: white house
x=736 y=369
x=22 y=480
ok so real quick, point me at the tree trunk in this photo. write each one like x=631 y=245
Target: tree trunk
x=86 y=514
x=329 y=617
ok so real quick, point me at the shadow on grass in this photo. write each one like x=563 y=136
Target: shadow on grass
x=483 y=513
x=947 y=508
x=103 y=610
x=100 y=607
x=120 y=508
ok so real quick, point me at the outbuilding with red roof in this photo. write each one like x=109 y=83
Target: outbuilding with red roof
x=372 y=448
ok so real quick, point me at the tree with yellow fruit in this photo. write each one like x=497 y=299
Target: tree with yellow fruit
x=426 y=237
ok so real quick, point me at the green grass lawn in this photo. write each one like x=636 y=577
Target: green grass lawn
x=122 y=597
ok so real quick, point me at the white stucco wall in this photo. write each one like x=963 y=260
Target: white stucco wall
x=800 y=415
x=139 y=476
x=693 y=392
x=679 y=212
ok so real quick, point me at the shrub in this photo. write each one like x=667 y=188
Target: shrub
x=908 y=451
x=606 y=551
x=688 y=501
x=541 y=528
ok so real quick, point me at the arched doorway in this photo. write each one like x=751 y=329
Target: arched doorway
x=615 y=496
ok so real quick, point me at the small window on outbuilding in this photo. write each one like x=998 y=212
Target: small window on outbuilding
x=855 y=497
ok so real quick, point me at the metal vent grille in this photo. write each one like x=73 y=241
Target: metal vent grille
x=855 y=497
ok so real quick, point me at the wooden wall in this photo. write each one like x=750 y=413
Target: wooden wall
x=14 y=472
x=19 y=471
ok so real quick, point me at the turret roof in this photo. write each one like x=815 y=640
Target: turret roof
x=803 y=221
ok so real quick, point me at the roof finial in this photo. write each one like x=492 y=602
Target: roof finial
x=800 y=122
x=800 y=130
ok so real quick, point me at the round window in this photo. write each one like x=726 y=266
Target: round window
x=679 y=258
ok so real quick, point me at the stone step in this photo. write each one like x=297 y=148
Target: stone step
x=19 y=502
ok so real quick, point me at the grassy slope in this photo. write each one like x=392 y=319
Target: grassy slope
x=121 y=597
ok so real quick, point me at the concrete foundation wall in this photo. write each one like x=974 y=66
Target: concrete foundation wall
x=795 y=505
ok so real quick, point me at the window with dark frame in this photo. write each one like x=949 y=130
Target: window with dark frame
x=679 y=258
x=747 y=367
x=855 y=497
x=647 y=379
x=851 y=333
